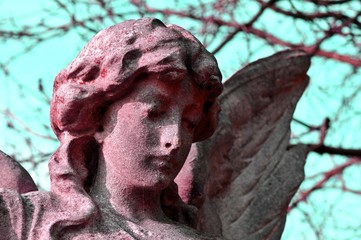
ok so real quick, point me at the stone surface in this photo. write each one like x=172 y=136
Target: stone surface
x=13 y=176
x=128 y=110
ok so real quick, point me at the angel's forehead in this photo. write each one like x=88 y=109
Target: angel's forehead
x=182 y=92
x=178 y=92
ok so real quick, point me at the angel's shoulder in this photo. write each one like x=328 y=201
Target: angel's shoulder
x=13 y=176
x=18 y=212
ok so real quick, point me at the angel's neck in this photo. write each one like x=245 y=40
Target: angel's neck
x=134 y=203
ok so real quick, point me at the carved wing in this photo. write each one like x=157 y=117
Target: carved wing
x=252 y=173
x=13 y=176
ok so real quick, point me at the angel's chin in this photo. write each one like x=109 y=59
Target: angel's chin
x=158 y=181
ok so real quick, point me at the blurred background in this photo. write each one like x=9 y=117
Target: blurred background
x=38 y=38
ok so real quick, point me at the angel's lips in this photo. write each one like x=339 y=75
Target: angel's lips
x=166 y=163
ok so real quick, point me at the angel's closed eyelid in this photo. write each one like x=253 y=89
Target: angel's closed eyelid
x=156 y=108
x=155 y=111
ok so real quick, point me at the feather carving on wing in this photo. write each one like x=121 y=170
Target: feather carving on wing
x=252 y=173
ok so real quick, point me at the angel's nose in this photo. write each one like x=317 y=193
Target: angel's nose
x=171 y=138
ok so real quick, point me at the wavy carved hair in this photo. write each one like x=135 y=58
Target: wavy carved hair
x=101 y=74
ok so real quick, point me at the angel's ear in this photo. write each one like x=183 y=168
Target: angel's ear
x=105 y=123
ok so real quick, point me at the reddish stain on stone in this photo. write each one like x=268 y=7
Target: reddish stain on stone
x=103 y=73
x=98 y=60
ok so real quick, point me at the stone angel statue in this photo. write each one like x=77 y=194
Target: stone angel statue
x=134 y=113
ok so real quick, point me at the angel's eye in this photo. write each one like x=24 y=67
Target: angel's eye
x=155 y=113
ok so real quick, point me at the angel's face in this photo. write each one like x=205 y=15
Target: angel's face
x=148 y=134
